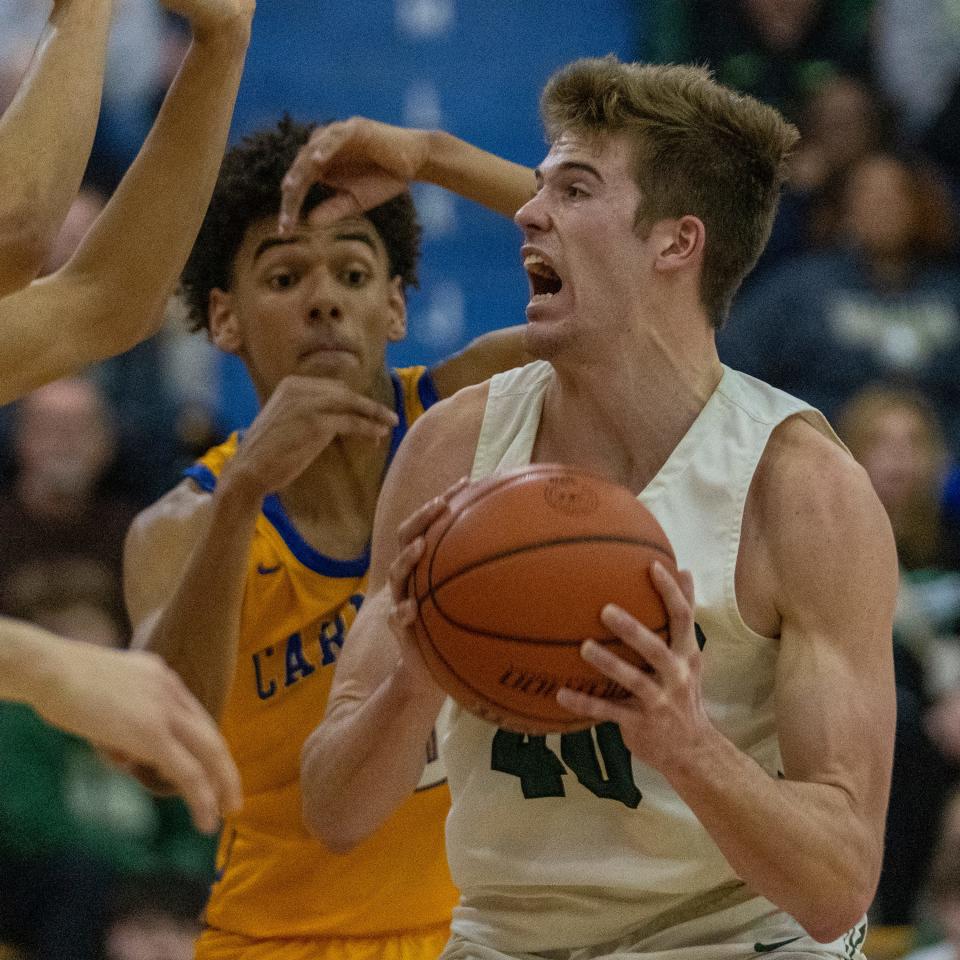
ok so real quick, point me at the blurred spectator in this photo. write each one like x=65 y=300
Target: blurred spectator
x=884 y=304
x=894 y=433
x=917 y=65
x=155 y=918
x=161 y=394
x=163 y=397
x=64 y=443
x=942 y=894
x=71 y=826
x=842 y=123
x=779 y=51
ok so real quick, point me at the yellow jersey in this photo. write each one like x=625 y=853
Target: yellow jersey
x=273 y=880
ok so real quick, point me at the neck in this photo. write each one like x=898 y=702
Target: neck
x=332 y=503
x=626 y=425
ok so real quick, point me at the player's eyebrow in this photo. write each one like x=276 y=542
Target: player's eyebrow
x=569 y=165
x=264 y=245
x=361 y=236
x=269 y=243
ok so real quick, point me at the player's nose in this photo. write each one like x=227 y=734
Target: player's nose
x=533 y=216
x=324 y=302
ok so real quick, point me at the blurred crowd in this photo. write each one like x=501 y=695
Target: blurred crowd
x=855 y=307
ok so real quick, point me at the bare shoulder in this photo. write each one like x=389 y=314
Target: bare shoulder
x=804 y=475
x=183 y=507
x=158 y=547
x=817 y=520
x=442 y=442
x=434 y=455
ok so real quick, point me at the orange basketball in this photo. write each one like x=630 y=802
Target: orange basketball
x=513 y=580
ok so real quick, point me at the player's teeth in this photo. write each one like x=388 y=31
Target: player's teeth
x=536 y=265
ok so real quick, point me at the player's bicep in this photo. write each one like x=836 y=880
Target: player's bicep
x=835 y=696
x=156 y=552
x=435 y=454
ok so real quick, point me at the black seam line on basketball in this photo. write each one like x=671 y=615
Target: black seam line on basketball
x=494 y=486
x=664 y=628
x=481 y=697
x=497 y=483
x=432 y=587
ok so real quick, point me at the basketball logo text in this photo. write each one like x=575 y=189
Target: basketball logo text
x=570 y=495
x=538 y=684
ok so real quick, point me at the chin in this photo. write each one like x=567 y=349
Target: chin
x=546 y=341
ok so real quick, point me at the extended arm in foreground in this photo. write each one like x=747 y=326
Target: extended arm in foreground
x=111 y=293
x=128 y=703
x=46 y=134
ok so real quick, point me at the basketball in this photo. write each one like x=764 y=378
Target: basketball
x=512 y=581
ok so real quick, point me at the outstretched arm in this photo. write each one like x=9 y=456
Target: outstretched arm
x=46 y=134
x=490 y=353
x=130 y=704
x=368 y=162
x=111 y=293
x=367 y=755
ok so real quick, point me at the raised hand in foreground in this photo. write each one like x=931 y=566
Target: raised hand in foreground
x=128 y=703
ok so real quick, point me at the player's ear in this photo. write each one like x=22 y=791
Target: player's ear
x=224 y=325
x=679 y=243
x=397 y=327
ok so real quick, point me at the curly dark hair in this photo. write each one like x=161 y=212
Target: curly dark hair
x=248 y=190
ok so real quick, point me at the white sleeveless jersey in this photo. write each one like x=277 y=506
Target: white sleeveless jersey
x=566 y=840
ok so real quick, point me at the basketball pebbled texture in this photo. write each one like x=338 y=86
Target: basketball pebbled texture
x=512 y=581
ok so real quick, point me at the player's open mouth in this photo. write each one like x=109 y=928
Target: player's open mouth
x=544 y=280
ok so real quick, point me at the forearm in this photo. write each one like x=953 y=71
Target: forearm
x=484 y=356
x=137 y=248
x=30 y=659
x=473 y=173
x=366 y=757
x=46 y=134
x=196 y=633
x=800 y=845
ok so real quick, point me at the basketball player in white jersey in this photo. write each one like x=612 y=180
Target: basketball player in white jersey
x=746 y=815
x=110 y=295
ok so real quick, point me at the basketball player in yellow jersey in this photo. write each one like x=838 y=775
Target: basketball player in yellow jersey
x=247 y=577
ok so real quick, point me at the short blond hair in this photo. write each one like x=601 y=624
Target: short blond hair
x=700 y=149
